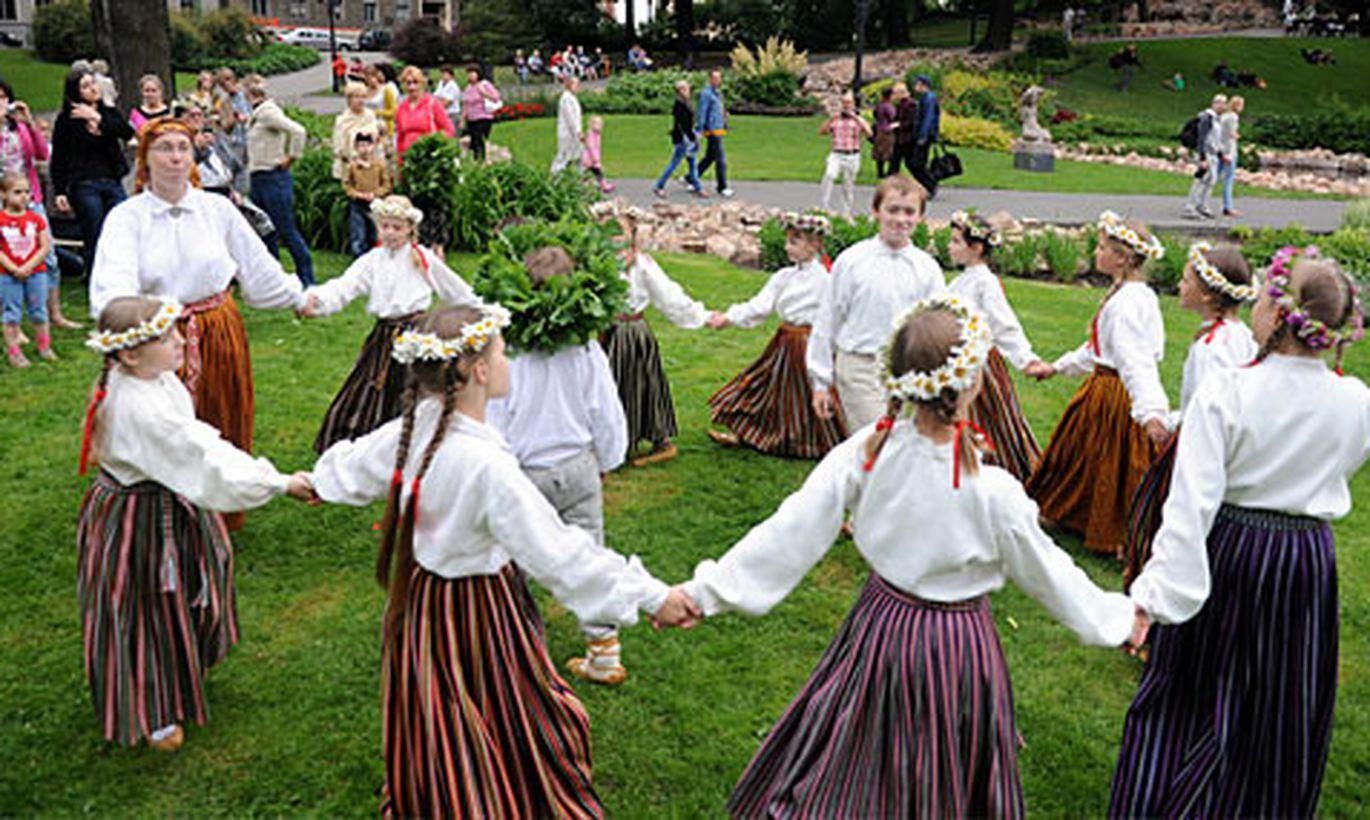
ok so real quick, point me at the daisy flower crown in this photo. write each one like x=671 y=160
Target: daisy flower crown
x=980 y=233
x=807 y=223
x=1214 y=279
x=958 y=372
x=161 y=323
x=413 y=346
x=1312 y=332
x=396 y=208
x=1112 y=225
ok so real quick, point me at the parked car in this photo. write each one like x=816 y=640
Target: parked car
x=374 y=39
x=318 y=38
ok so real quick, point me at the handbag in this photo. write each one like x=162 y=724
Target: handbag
x=944 y=164
x=492 y=105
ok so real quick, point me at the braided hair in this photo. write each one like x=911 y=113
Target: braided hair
x=119 y=315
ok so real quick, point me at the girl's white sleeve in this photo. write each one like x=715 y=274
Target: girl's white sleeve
x=669 y=297
x=1135 y=334
x=450 y=287
x=1009 y=336
x=755 y=310
x=263 y=281
x=818 y=359
x=359 y=471
x=1078 y=362
x=338 y=292
x=769 y=561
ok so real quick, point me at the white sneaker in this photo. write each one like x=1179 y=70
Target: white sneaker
x=726 y=193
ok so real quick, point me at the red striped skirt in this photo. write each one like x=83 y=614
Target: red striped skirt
x=908 y=714
x=770 y=404
x=155 y=586
x=996 y=410
x=477 y=721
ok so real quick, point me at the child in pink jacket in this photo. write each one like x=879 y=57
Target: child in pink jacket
x=591 y=159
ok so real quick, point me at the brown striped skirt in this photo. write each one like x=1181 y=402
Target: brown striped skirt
x=477 y=721
x=770 y=404
x=997 y=412
x=373 y=392
x=1093 y=464
x=635 y=359
x=908 y=714
x=155 y=586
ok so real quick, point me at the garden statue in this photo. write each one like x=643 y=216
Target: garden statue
x=1027 y=113
x=1033 y=151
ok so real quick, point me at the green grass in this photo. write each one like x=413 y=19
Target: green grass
x=40 y=84
x=295 y=724
x=789 y=148
x=1294 y=87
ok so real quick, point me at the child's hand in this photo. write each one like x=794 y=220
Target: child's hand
x=1159 y=433
x=301 y=488
x=1039 y=370
x=822 y=404
x=1141 y=625
x=717 y=320
x=679 y=610
x=310 y=309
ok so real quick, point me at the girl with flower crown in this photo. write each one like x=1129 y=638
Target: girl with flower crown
x=910 y=710
x=996 y=407
x=155 y=576
x=477 y=722
x=1233 y=715
x=1116 y=422
x=769 y=406
x=1215 y=283
x=399 y=279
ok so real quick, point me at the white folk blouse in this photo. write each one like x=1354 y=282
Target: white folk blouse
x=648 y=284
x=1219 y=346
x=1131 y=337
x=794 y=293
x=978 y=286
x=393 y=284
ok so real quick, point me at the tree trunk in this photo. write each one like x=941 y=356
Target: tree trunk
x=896 y=19
x=685 y=31
x=630 y=20
x=999 y=31
x=136 y=36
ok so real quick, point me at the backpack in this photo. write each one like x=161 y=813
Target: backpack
x=1189 y=134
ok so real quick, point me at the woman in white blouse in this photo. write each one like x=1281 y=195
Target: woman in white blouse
x=910 y=710
x=769 y=406
x=175 y=241
x=1233 y=715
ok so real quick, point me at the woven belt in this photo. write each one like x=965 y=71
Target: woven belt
x=193 y=367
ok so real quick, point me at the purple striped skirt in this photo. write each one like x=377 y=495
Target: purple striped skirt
x=909 y=713
x=1233 y=715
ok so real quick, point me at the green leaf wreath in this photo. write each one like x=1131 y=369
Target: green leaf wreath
x=565 y=310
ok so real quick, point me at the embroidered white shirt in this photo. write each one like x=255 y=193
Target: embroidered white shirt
x=648 y=284
x=1230 y=345
x=1131 y=341
x=794 y=293
x=393 y=284
x=984 y=291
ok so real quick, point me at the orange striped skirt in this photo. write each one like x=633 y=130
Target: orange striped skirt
x=1094 y=463
x=770 y=404
x=997 y=412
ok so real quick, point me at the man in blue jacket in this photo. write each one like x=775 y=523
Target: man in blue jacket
x=711 y=121
x=929 y=126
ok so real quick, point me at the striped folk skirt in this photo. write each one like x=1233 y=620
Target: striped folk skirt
x=373 y=392
x=635 y=359
x=1093 y=464
x=997 y=412
x=909 y=713
x=477 y=721
x=1233 y=716
x=770 y=404
x=1144 y=517
x=218 y=373
x=155 y=587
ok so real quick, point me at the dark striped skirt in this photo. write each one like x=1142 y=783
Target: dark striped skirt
x=477 y=721
x=1233 y=715
x=996 y=410
x=909 y=713
x=373 y=392
x=155 y=586
x=1144 y=517
x=1093 y=464
x=635 y=358
x=770 y=404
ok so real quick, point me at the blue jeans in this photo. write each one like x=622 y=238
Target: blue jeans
x=274 y=192
x=684 y=150
x=1227 y=175
x=361 y=231
x=54 y=269
x=31 y=293
x=713 y=155
x=92 y=199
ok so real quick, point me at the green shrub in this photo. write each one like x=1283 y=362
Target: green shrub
x=318 y=127
x=1334 y=125
x=1166 y=273
x=1018 y=258
x=778 y=89
x=1351 y=248
x=230 y=33
x=922 y=235
x=941 y=246
x=1356 y=215
x=1062 y=253
x=648 y=92
x=772 y=238
x=1264 y=242
x=424 y=42
x=320 y=206
x=432 y=175
x=487 y=195
x=1048 y=45
x=275 y=58
x=188 y=45
x=974 y=132
x=62 y=31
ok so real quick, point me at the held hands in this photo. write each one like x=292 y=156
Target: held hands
x=679 y=610
x=310 y=309
x=1141 y=625
x=1039 y=370
x=1158 y=432
x=717 y=320
x=822 y=404
x=301 y=488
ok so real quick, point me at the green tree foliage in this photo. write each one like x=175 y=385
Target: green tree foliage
x=62 y=31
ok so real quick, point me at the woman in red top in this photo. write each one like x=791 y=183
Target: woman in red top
x=419 y=113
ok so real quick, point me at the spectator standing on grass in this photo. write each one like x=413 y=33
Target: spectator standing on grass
x=847 y=128
x=905 y=127
x=419 y=113
x=354 y=119
x=232 y=111
x=339 y=72
x=385 y=96
x=1230 y=122
x=203 y=93
x=479 y=102
x=274 y=142
x=521 y=66
x=1125 y=61
x=154 y=103
x=711 y=121
x=448 y=93
x=109 y=93
x=926 y=133
x=535 y=65
x=570 y=130
x=1209 y=151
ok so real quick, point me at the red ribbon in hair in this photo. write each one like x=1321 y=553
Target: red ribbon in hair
x=881 y=426
x=956 y=448
x=415 y=501
x=86 y=432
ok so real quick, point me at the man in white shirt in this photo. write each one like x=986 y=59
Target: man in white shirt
x=872 y=282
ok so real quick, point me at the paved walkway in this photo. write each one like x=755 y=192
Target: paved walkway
x=1160 y=212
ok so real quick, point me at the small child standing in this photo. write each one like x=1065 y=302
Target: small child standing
x=24 y=245
x=399 y=279
x=565 y=424
x=591 y=158
x=769 y=406
x=366 y=180
x=156 y=565
x=996 y=408
x=1116 y=422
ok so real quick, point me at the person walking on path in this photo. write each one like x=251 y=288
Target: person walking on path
x=844 y=159
x=685 y=140
x=1209 y=148
x=1230 y=123
x=274 y=141
x=570 y=129
x=886 y=126
x=905 y=126
x=926 y=133
x=711 y=121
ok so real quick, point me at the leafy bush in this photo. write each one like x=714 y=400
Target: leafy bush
x=318 y=127
x=229 y=32
x=651 y=92
x=1165 y=275
x=1091 y=128
x=772 y=238
x=188 y=46
x=973 y=132
x=778 y=89
x=1356 y=215
x=275 y=58
x=1335 y=125
x=320 y=207
x=423 y=41
x=1062 y=253
x=62 y=31
x=1048 y=45
x=922 y=235
x=941 y=246
x=1351 y=248
x=1018 y=258
x=432 y=175
x=775 y=56
x=564 y=310
x=490 y=194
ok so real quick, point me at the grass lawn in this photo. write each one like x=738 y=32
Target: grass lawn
x=40 y=84
x=295 y=710
x=1293 y=85
x=789 y=148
